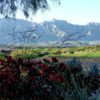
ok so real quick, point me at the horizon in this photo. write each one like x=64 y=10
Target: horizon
x=28 y=20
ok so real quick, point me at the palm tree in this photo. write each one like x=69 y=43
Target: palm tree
x=9 y=7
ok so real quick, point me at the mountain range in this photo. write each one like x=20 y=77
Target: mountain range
x=58 y=32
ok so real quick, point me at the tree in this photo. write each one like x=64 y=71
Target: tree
x=9 y=7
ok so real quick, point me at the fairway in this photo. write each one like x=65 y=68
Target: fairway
x=83 y=52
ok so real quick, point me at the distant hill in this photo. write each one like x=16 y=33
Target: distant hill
x=17 y=31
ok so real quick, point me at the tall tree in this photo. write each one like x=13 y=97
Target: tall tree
x=9 y=7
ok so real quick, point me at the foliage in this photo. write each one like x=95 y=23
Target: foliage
x=45 y=79
x=2 y=55
x=9 y=7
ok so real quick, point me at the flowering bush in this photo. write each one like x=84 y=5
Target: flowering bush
x=46 y=79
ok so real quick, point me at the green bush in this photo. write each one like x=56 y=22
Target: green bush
x=2 y=55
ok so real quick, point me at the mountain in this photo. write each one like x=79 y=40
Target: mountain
x=19 y=32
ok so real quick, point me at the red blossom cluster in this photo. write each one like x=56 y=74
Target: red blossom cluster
x=26 y=78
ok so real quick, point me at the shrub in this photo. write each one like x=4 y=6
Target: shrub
x=46 y=79
x=2 y=55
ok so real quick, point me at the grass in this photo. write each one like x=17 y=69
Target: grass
x=87 y=51
x=2 y=55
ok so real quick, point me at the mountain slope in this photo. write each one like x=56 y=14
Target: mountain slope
x=17 y=31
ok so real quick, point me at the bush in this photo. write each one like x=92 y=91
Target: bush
x=2 y=55
x=46 y=79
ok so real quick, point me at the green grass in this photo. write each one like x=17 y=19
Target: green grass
x=2 y=55
x=87 y=51
x=92 y=54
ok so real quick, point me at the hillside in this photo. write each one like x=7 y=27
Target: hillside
x=17 y=32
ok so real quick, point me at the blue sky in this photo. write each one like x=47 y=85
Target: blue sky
x=73 y=11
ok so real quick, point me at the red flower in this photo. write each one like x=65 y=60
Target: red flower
x=43 y=66
x=56 y=77
x=10 y=59
x=1 y=62
x=59 y=78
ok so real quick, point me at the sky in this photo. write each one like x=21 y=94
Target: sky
x=73 y=11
